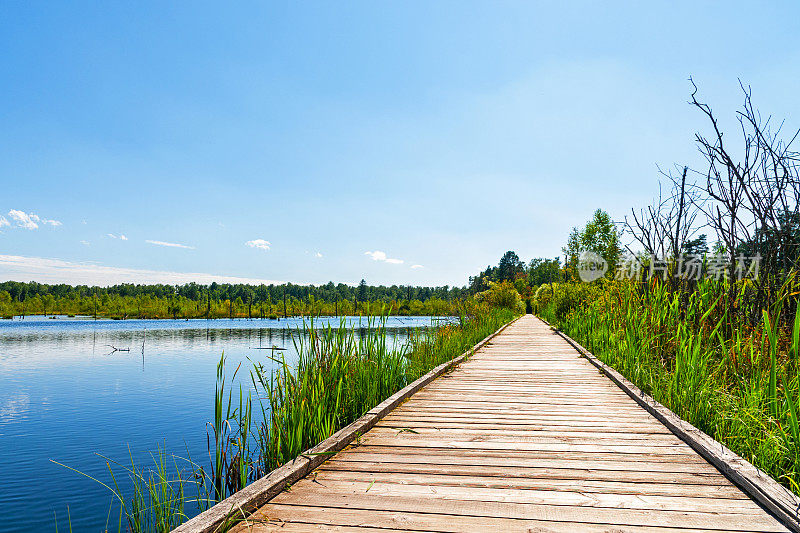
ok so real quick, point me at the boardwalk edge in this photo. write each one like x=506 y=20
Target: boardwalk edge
x=243 y=503
x=757 y=484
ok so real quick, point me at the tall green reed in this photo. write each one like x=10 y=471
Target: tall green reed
x=735 y=381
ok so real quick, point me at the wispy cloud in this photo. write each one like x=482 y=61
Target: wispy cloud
x=4 y=221
x=124 y=238
x=85 y=243
x=377 y=255
x=29 y=221
x=318 y=255
x=261 y=244
x=417 y=266
x=23 y=219
x=44 y=270
x=169 y=244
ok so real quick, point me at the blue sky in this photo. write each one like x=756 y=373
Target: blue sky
x=440 y=134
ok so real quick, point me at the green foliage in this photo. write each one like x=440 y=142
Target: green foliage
x=503 y=295
x=510 y=265
x=563 y=298
x=512 y=269
x=541 y=271
x=600 y=236
x=159 y=492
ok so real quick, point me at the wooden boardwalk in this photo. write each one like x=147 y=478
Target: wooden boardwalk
x=524 y=436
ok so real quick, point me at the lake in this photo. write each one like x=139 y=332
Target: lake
x=66 y=396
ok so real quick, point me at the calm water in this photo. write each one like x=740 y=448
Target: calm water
x=65 y=396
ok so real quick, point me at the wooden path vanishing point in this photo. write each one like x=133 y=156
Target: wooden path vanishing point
x=524 y=436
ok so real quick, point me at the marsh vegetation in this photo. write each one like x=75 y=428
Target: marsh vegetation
x=718 y=343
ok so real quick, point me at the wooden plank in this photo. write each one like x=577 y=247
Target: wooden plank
x=433 y=451
x=720 y=492
x=389 y=488
x=544 y=433
x=275 y=517
x=565 y=461
x=540 y=427
x=407 y=415
x=633 y=476
x=327 y=497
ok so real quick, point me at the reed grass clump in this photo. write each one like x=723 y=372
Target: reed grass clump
x=692 y=352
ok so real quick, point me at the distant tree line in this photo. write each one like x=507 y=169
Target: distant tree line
x=194 y=300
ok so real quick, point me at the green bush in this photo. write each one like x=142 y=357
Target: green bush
x=502 y=295
x=561 y=299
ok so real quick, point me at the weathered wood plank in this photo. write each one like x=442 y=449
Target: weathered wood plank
x=433 y=451
x=327 y=497
x=596 y=474
x=386 y=487
x=565 y=461
x=718 y=492
x=275 y=517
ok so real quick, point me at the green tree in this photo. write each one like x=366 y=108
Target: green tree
x=510 y=265
x=361 y=294
x=541 y=271
x=599 y=236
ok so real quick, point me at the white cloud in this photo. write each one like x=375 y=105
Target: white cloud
x=417 y=266
x=377 y=255
x=4 y=221
x=23 y=219
x=85 y=243
x=45 y=270
x=169 y=244
x=261 y=244
x=124 y=238
x=30 y=221
x=318 y=255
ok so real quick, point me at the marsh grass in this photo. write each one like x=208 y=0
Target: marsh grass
x=736 y=381
x=340 y=374
x=158 y=494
